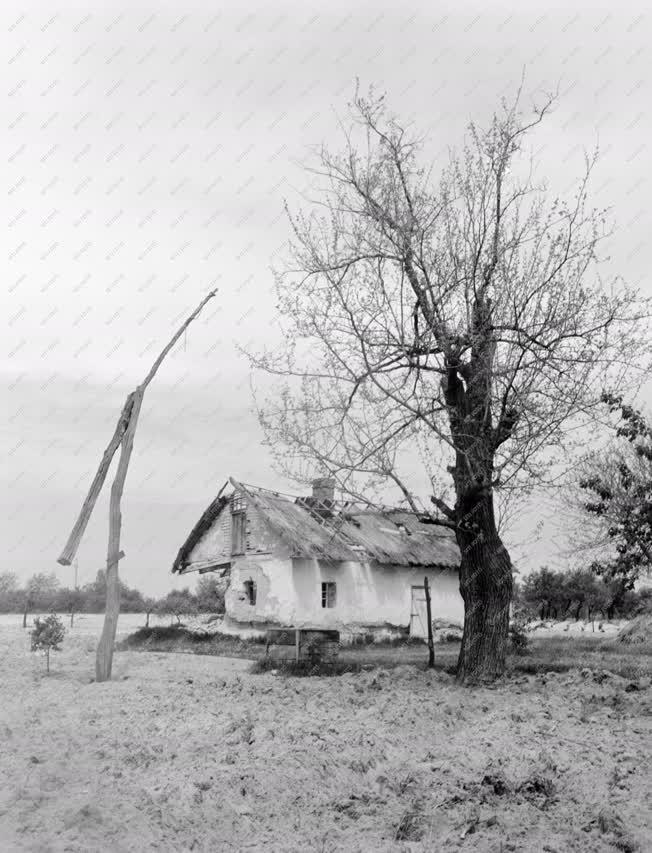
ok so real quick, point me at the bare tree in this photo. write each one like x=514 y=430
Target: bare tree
x=40 y=591
x=462 y=318
x=149 y=607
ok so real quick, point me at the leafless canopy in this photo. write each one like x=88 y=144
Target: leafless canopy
x=414 y=306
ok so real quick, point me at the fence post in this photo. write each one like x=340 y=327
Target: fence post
x=431 y=641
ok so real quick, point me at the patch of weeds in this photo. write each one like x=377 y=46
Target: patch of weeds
x=411 y=825
x=403 y=784
x=541 y=786
x=305 y=668
x=177 y=638
x=518 y=637
x=158 y=633
x=609 y=823
x=538 y=785
x=497 y=782
x=248 y=730
x=588 y=707
x=351 y=805
x=448 y=637
x=403 y=641
x=360 y=766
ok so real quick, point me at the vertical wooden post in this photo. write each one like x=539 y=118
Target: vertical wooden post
x=104 y=657
x=297 y=645
x=431 y=641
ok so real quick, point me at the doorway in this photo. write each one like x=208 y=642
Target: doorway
x=419 y=613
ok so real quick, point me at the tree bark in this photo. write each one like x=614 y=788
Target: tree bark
x=486 y=587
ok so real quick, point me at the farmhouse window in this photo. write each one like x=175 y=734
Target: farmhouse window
x=328 y=594
x=250 y=591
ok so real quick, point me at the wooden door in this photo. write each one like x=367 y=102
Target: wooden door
x=418 y=616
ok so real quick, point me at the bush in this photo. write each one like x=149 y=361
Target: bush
x=639 y=630
x=517 y=633
x=47 y=634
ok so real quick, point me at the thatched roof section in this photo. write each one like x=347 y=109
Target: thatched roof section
x=392 y=537
x=387 y=536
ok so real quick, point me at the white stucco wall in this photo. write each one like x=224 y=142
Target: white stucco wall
x=289 y=593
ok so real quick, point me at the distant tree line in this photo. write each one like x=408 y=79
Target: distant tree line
x=579 y=594
x=43 y=593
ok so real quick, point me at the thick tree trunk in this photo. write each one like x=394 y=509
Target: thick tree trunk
x=486 y=587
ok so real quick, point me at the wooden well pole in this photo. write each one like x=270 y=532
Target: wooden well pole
x=123 y=437
x=104 y=655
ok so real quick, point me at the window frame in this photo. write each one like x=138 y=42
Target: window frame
x=328 y=595
x=238 y=532
x=250 y=591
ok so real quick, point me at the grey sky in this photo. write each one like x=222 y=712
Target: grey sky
x=148 y=152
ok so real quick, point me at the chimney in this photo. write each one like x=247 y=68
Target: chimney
x=323 y=489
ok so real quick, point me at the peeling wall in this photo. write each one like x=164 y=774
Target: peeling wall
x=288 y=592
x=215 y=544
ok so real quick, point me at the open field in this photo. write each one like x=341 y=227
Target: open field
x=188 y=752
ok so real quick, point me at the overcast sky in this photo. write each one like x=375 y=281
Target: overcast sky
x=149 y=152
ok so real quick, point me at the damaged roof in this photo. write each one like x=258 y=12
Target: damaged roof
x=206 y=519
x=338 y=532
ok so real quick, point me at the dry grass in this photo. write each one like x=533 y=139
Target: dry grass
x=185 y=752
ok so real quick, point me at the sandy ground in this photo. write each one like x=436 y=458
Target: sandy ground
x=192 y=753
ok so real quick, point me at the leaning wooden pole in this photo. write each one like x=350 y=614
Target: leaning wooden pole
x=71 y=546
x=123 y=437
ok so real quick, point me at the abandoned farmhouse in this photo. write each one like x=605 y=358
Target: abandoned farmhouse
x=315 y=562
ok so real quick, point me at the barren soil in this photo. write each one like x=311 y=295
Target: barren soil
x=187 y=752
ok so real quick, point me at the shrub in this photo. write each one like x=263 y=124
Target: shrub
x=450 y=637
x=47 y=634
x=517 y=633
